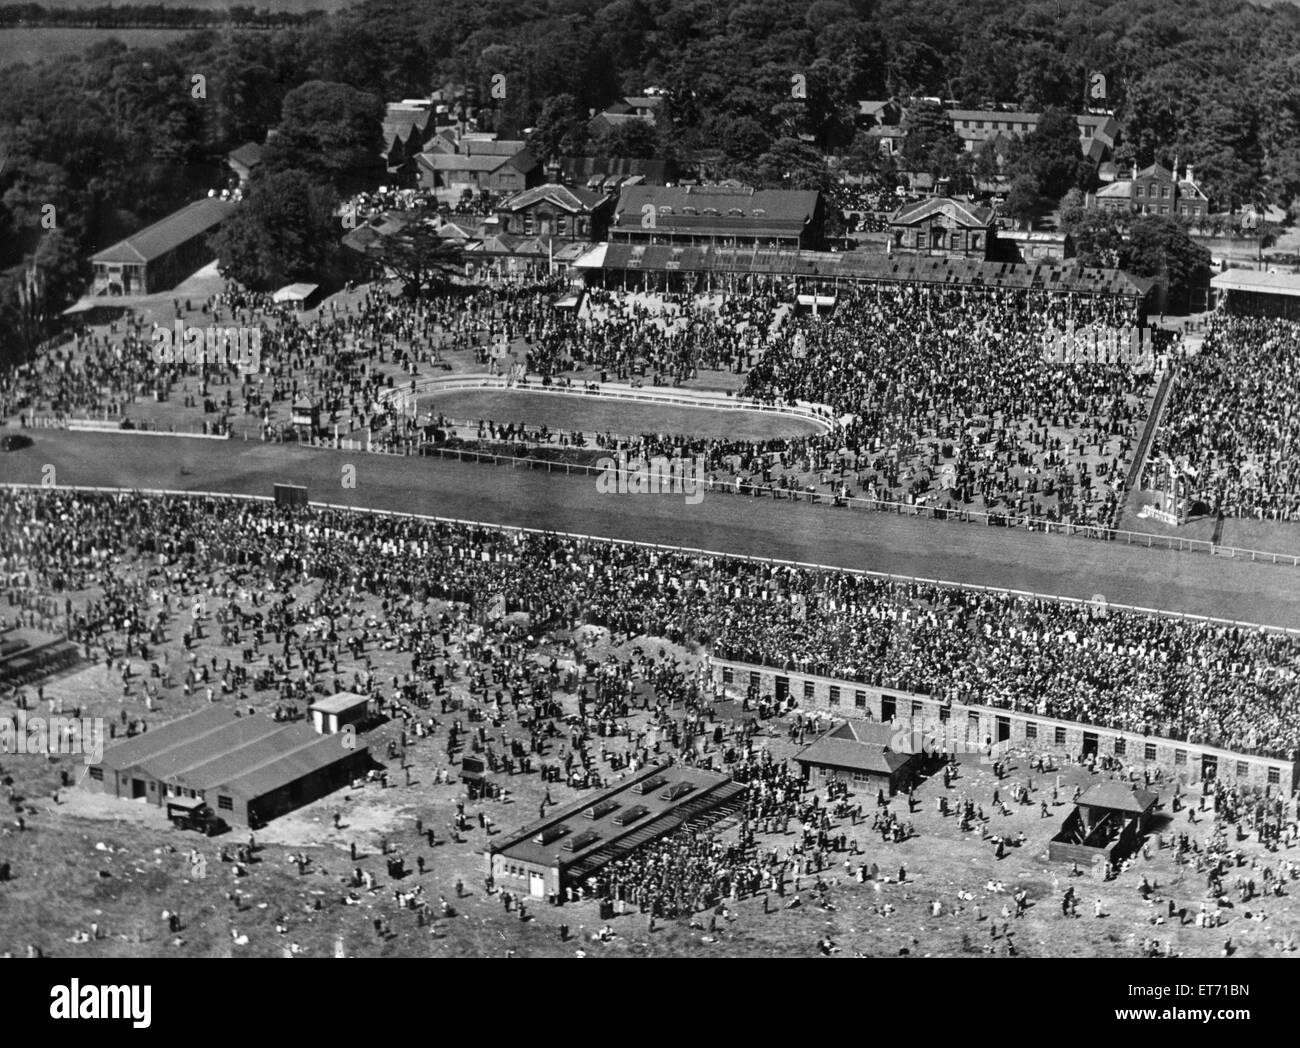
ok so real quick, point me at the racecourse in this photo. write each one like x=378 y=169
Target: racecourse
x=1069 y=566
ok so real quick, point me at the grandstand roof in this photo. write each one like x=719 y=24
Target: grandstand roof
x=169 y=233
x=868 y=266
x=701 y=208
x=1257 y=281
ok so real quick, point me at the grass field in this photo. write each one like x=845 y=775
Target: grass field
x=32 y=45
x=607 y=415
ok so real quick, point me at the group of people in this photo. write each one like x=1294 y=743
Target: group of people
x=1231 y=427
x=1207 y=682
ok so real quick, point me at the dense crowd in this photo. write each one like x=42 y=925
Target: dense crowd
x=1205 y=682
x=1232 y=425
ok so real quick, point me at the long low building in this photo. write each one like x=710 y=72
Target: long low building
x=573 y=842
x=159 y=256
x=1254 y=293
x=649 y=267
x=248 y=769
x=961 y=727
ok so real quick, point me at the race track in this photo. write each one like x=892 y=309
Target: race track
x=1077 y=567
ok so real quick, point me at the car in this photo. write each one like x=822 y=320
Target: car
x=188 y=813
x=15 y=442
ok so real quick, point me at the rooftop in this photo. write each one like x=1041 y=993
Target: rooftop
x=1117 y=796
x=611 y=806
x=340 y=702
x=169 y=233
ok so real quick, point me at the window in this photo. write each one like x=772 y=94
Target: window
x=834 y=695
x=153 y=787
x=973 y=719
x=97 y=773
x=860 y=776
x=1060 y=736
x=1180 y=756
x=1120 y=746
x=1138 y=191
x=1149 y=751
x=808 y=690
x=755 y=678
x=1164 y=192
x=728 y=675
x=1243 y=769
x=225 y=803
x=860 y=700
x=1031 y=730
x=1274 y=776
x=944 y=713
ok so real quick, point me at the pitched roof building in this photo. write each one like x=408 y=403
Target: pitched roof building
x=725 y=215
x=1155 y=190
x=159 y=256
x=860 y=752
x=551 y=210
x=944 y=226
x=246 y=769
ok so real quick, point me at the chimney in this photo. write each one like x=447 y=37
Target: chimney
x=1189 y=175
x=1135 y=170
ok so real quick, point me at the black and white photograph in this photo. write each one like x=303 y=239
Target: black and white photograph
x=651 y=479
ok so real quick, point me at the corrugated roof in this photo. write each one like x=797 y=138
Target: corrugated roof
x=199 y=750
x=309 y=753
x=130 y=752
x=169 y=233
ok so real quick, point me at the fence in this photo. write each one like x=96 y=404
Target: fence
x=94 y=425
x=685 y=550
x=819 y=414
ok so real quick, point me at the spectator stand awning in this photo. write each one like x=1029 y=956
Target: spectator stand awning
x=1258 y=282
x=298 y=293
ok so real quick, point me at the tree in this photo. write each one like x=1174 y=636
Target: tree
x=1050 y=155
x=424 y=262
x=331 y=130
x=561 y=129
x=1158 y=247
x=931 y=144
x=791 y=164
x=633 y=138
x=1024 y=201
x=285 y=230
x=59 y=270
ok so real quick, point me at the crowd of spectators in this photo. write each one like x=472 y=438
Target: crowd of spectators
x=1211 y=683
x=1232 y=425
